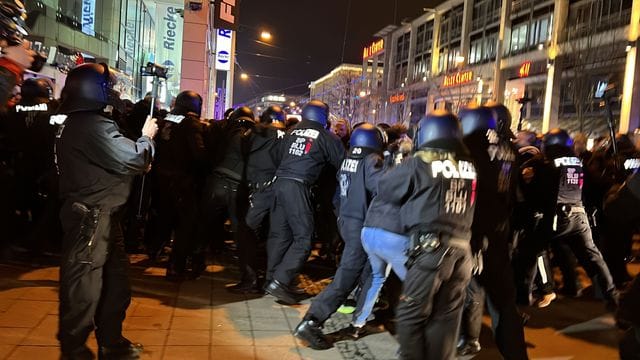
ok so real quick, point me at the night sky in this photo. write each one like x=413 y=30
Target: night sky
x=307 y=39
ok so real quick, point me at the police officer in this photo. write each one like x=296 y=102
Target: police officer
x=358 y=178
x=436 y=191
x=307 y=149
x=487 y=134
x=226 y=191
x=569 y=221
x=262 y=162
x=177 y=176
x=96 y=165
x=32 y=137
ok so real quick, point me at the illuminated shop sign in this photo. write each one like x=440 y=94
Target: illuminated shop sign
x=459 y=78
x=224 y=58
x=373 y=49
x=397 y=98
x=523 y=72
x=88 y=17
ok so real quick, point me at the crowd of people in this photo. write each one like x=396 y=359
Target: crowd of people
x=460 y=208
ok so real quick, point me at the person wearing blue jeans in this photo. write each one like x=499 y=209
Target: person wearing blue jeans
x=383 y=248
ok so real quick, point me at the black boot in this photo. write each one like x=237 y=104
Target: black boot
x=123 y=350
x=468 y=347
x=248 y=284
x=281 y=292
x=310 y=332
x=82 y=353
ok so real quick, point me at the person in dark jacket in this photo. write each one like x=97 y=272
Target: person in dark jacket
x=226 y=193
x=96 y=164
x=358 y=177
x=569 y=222
x=307 y=149
x=436 y=192
x=176 y=180
x=487 y=135
x=262 y=156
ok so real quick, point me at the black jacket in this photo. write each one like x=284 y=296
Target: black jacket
x=358 y=179
x=264 y=153
x=96 y=162
x=180 y=147
x=307 y=149
x=435 y=192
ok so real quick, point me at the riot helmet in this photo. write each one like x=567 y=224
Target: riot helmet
x=89 y=87
x=273 y=115
x=317 y=111
x=557 y=137
x=228 y=113
x=242 y=114
x=503 y=119
x=368 y=136
x=475 y=118
x=35 y=91
x=440 y=130
x=188 y=102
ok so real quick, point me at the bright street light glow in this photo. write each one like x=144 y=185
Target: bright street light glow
x=265 y=35
x=292 y=104
x=363 y=93
x=244 y=76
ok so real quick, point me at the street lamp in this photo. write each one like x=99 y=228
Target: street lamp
x=292 y=104
x=265 y=35
x=244 y=76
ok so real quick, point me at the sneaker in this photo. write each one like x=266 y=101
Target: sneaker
x=546 y=300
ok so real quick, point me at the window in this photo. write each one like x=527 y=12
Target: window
x=475 y=51
x=519 y=38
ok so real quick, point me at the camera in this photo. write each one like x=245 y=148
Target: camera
x=194 y=5
x=152 y=69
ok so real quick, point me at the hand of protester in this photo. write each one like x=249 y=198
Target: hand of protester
x=528 y=174
x=150 y=127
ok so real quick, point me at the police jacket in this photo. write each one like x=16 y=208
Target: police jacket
x=264 y=153
x=180 y=147
x=496 y=165
x=567 y=177
x=435 y=191
x=96 y=163
x=32 y=139
x=232 y=149
x=306 y=150
x=358 y=180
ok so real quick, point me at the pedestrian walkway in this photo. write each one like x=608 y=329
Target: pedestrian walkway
x=201 y=320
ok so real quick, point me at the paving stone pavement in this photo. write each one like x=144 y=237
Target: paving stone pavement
x=201 y=320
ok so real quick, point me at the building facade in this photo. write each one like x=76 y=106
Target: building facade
x=546 y=60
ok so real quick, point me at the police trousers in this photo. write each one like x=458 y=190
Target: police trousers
x=431 y=303
x=573 y=232
x=353 y=269
x=497 y=280
x=95 y=289
x=290 y=232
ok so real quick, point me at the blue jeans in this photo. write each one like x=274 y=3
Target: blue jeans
x=383 y=248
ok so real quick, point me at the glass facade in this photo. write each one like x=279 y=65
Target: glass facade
x=117 y=32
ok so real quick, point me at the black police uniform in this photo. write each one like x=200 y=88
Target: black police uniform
x=358 y=178
x=226 y=190
x=570 y=224
x=495 y=160
x=307 y=149
x=436 y=190
x=96 y=165
x=32 y=137
x=176 y=182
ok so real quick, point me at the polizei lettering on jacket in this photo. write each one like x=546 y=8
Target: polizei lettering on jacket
x=449 y=170
x=37 y=107
x=567 y=161
x=350 y=165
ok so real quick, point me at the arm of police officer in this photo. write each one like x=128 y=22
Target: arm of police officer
x=114 y=152
x=335 y=151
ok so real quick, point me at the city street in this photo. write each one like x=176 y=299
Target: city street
x=201 y=320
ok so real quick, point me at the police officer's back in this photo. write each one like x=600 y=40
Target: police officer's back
x=436 y=191
x=307 y=149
